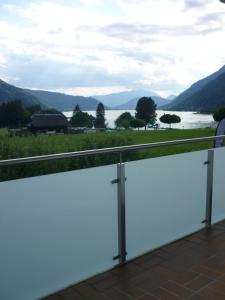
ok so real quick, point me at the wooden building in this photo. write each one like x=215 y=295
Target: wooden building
x=48 y=120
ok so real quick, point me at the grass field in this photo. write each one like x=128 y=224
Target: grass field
x=14 y=147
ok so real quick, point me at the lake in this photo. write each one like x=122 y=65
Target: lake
x=189 y=120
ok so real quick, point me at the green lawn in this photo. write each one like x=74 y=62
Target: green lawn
x=14 y=147
x=3 y=132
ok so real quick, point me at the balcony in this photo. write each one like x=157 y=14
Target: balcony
x=62 y=229
x=191 y=268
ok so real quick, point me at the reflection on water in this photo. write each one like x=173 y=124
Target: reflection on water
x=188 y=119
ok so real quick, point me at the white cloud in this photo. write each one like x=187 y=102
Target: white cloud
x=165 y=44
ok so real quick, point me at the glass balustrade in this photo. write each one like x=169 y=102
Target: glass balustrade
x=57 y=230
x=218 y=203
x=165 y=200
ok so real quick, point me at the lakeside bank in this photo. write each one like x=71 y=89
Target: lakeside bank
x=189 y=120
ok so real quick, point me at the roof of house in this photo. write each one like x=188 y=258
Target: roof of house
x=48 y=120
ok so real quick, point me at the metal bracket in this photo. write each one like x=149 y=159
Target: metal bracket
x=118 y=256
x=117 y=180
x=206 y=162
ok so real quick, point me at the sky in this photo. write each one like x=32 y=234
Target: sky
x=92 y=47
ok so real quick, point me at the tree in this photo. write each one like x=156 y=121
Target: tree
x=81 y=119
x=99 y=121
x=124 y=120
x=34 y=108
x=169 y=119
x=137 y=123
x=14 y=114
x=76 y=109
x=145 y=110
x=219 y=114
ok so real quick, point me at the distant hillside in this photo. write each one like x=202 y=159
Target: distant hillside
x=171 y=97
x=132 y=103
x=205 y=95
x=64 y=102
x=117 y=99
x=9 y=93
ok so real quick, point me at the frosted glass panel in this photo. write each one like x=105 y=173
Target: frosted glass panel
x=165 y=200
x=56 y=230
x=218 y=211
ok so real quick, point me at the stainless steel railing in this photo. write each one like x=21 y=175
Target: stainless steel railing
x=120 y=149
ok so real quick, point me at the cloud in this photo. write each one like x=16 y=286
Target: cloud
x=215 y=18
x=146 y=33
x=55 y=31
x=200 y=4
x=77 y=45
x=45 y=74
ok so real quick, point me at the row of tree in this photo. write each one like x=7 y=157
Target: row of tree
x=145 y=115
x=14 y=115
x=83 y=119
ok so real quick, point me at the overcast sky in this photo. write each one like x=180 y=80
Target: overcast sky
x=91 y=47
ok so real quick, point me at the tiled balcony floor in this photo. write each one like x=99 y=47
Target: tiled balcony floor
x=191 y=268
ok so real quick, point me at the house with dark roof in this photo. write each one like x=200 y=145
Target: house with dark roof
x=48 y=120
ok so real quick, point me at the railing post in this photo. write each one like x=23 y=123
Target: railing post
x=121 y=213
x=209 y=188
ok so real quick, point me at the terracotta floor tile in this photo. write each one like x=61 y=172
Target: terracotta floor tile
x=199 y=282
x=194 y=239
x=128 y=270
x=177 y=289
x=207 y=272
x=100 y=277
x=156 y=260
x=84 y=289
x=147 y=297
x=210 y=294
x=151 y=283
x=163 y=294
x=185 y=277
x=116 y=294
x=218 y=286
x=106 y=283
x=197 y=297
x=130 y=290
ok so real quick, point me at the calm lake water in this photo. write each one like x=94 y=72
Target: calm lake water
x=188 y=119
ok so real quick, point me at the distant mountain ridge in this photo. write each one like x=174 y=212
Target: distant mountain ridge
x=59 y=101
x=205 y=95
x=9 y=93
x=64 y=102
x=131 y=105
x=116 y=99
x=171 y=97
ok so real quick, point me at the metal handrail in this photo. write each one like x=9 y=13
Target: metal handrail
x=17 y=161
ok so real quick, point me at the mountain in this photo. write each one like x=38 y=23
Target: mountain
x=133 y=102
x=117 y=99
x=205 y=95
x=171 y=97
x=9 y=93
x=64 y=102
x=58 y=101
